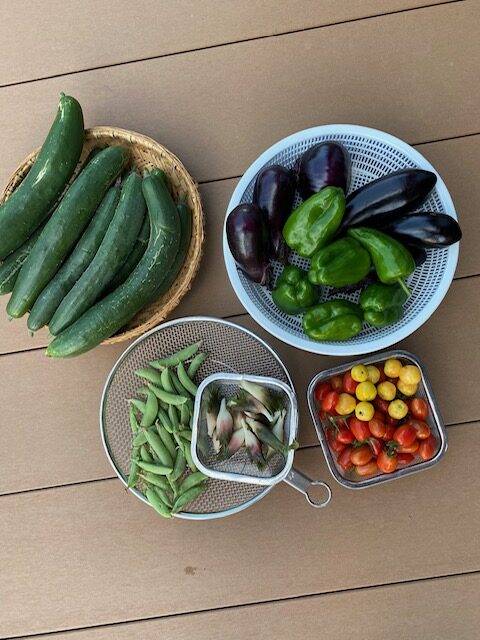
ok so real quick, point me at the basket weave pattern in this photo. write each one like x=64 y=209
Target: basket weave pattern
x=144 y=153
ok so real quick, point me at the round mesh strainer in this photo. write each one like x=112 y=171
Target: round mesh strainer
x=373 y=154
x=230 y=348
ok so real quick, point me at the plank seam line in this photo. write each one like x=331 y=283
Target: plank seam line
x=245 y=605
x=303 y=447
x=226 y=44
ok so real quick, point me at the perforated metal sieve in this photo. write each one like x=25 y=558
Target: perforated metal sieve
x=374 y=154
x=230 y=348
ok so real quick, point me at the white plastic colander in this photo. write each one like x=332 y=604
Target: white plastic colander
x=374 y=154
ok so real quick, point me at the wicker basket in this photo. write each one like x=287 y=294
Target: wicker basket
x=145 y=153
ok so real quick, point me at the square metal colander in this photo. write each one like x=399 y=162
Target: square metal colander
x=239 y=467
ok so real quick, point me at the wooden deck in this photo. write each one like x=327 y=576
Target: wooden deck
x=217 y=82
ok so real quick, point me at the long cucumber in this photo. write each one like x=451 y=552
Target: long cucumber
x=133 y=258
x=116 y=245
x=50 y=298
x=64 y=227
x=114 y=311
x=31 y=202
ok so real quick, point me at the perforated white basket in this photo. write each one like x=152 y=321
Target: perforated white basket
x=374 y=154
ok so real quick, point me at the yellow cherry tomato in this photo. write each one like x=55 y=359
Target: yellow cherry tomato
x=392 y=368
x=386 y=390
x=345 y=404
x=366 y=391
x=397 y=409
x=364 y=411
x=359 y=373
x=373 y=373
x=407 y=389
x=410 y=374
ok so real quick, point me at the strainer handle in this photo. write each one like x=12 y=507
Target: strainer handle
x=303 y=483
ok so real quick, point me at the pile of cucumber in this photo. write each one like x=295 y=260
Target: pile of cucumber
x=84 y=259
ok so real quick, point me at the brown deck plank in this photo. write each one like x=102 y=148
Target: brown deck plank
x=59 y=400
x=91 y=554
x=62 y=39
x=428 y=608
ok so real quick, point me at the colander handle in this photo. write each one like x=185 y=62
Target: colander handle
x=303 y=483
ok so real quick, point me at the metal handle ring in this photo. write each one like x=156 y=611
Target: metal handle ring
x=319 y=505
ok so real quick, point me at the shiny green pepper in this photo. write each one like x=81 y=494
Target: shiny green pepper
x=343 y=262
x=392 y=261
x=333 y=320
x=314 y=223
x=293 y=292
x=382 y=304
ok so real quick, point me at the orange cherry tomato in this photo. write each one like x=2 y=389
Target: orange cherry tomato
x=361 y=455
x=387 y=463
x=427 y=447
x=405 y=435
x=389 y=431
x=344 y=459
x=421 y=427
x=344 y=435
x=419 y=408
x=349 y=384
x=381 y=405
x=337 y=383
x=405 y=458
x=367 y=469
x=377 y=427
x=329 y=401
x=359 y=428
x=412 y=448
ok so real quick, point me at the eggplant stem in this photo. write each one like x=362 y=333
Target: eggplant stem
x=404 y=287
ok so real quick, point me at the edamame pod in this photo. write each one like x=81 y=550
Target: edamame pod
x=157 y=504
x=151 y=410
x=145 y=455
x=195 y=364
x=186 y=498
x=159 y=448
x=138 y=404
x=177 y=357
x=165 y=396
x=179 y=467
x=192 y=480
x=167 y=440
x=166 y=381
x=159 y=469
x=190 y=386
x=173 y=417
x=149 y=374
x=155 y=479
x=164 y=419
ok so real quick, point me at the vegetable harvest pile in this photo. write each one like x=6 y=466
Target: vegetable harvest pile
x=371 y=240
x=85 y=257
x=373 y=420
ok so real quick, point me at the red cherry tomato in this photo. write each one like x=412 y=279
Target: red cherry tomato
x=359 y=428
x=405 y=458
x=337 y=384
x=392 y=380
x=329 y=401
x=344 y=435
x=412 y=448
x=337 y=446
x=392 y=421
x=387 y=463
x=349 y=384
x=383 y=377
x=421 y=427
x=375 y=445
x=379 y=415
x=389 y=431
x=321 y=391
x=344 y=459
x=419 y=408
x=367 y=469
x=427 y=447
x=361 y=455
x=377 y=427
x=405 y=435
x=381 y=405
x=323 y=415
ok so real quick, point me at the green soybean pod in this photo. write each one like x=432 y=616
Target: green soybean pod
x=133 y=419
x=151 y=410
x=164 y=420
x=159 y=469
x=188 y=456
x=180 y=442
x=192 y=481
x=166 y=382
x=138 y=404
x=189 y=385
x=149 y=374
x=195 y=364
x=165 y=396
x=179 y=356
x=159 y=448
x=167 y=440
x=145 y=454
x=142 y=391
x=184 y=415
x=179 y=467
x=187 y=497
x=133 y=475
x=173 y=417
x=186 y=434
x=179 y=388
x=155 y=479
x=163 y=495
x=157 y=504
x=139 y=439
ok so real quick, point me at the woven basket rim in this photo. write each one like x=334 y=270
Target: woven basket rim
x=160 y=309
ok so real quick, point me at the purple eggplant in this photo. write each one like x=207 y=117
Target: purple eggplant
x=429 y=230
x=390 y=195
x=326 y=164
x=248 y=241
x=274 y=192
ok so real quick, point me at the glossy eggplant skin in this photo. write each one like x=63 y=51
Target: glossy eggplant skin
x=419 y=254
x=326 y=164
x=428 y=230
x=248 y=241
x=274 y=192
x=390 y=195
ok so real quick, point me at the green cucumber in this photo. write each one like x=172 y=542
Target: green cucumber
x=13 y=263
x=32 y=200
x=65 y=227
x=118 y=242
x=110 y=314
x=134 y=257
x=48 y=301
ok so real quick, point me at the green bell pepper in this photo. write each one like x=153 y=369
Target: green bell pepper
x=392 y=261
x=293 y=292
x=333 y=320
x=343 y=262
x=314 y=223
x=383 y=304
